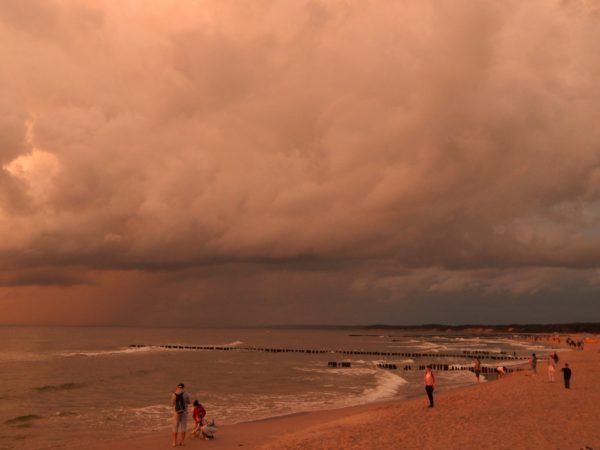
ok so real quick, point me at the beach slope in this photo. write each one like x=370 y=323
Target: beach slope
x=520 y=411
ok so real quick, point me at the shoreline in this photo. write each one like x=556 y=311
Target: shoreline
x=249 y=434
x=475 y=416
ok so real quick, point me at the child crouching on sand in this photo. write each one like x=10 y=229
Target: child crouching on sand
x=199 y=413
x=209 y=429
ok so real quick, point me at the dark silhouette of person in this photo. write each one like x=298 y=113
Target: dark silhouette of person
x=567 y=376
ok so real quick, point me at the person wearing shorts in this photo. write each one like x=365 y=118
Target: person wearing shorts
x=179 y=400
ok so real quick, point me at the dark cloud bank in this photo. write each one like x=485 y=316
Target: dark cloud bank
x=232 y=162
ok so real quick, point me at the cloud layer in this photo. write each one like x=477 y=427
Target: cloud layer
x=302 y=161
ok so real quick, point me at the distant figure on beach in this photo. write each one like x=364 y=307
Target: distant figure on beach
x=567 y=375
x=551 y=368
x=477 y=368
x=429 y=382
x=198 y=416
x=179 y=400
x=555 y=356
x=500 y=372
x=534 y=363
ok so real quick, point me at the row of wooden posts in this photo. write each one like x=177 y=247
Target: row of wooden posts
x=437 y=367
x=464 y=354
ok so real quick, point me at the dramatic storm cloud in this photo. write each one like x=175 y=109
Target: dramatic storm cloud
x=342 y=161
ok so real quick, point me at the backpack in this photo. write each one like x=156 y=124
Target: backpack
x=179 y=403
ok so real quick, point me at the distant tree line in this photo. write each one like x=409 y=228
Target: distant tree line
x=577 y=327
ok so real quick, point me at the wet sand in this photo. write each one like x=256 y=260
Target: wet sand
x=518 y=412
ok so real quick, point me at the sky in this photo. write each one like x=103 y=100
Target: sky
x=233 y=162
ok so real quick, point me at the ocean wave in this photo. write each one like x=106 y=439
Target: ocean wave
x=387 y=387
x=119 y=351
x=430 y=346
x=143 y=350
x=65 y=413
x=530 y=346
x=346 y=371
x=457 y=377
x=255 y=408
x=59 y=387
x=22 y=419
x=19 y=356
x=490 y=350
x=159 y=410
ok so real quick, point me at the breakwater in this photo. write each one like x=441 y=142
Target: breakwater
x=482 y=355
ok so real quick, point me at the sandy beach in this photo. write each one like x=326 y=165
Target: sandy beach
x=520 y=411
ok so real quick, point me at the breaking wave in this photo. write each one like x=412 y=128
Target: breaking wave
x=59 y=387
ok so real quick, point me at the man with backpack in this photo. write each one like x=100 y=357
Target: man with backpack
x=179 y=399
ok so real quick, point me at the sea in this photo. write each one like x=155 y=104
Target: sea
x=68 y=384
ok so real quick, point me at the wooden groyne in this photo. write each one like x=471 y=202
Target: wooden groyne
x=464 y=354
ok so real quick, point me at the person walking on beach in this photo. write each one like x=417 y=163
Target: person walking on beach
x=534 y=364
x=477 y=368
x=551 y=368
x=429 y=382
x=567 y=376
x=179 y=400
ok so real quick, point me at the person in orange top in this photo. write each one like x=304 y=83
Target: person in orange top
x=429 y=382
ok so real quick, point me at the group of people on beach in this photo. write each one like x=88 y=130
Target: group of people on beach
x=180 y=401
x=575 y=344
x=501 y=372
x=552 y=363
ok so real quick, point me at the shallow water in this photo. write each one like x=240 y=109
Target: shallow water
x=58 y=385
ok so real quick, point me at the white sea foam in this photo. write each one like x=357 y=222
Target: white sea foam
x=9 y=356
x=346 y=371
x=152 y=410
x=145 y=349
x=532 y=347
x=457 y=377
x=432 y=347
x=120 y=351
x=387 y=387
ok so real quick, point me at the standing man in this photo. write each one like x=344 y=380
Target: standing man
x=534 y=363
x=179 y=399
x=429 y=382
x=567 y=376
x=477 y=368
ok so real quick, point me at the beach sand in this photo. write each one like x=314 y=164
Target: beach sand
x=518 y=412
